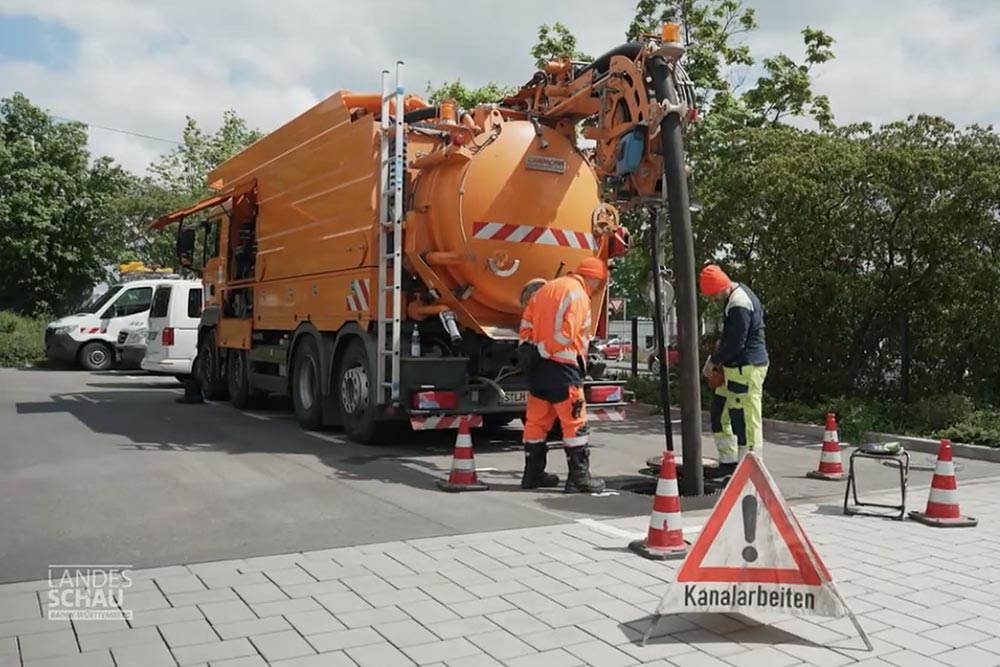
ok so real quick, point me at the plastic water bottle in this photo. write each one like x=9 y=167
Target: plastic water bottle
x=415 y=342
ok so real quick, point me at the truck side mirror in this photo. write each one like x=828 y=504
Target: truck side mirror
x=185 y=246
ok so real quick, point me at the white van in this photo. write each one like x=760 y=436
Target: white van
x=172 y=330
x=89 y=336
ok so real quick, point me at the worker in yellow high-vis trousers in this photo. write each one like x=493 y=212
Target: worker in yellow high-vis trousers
x=742 y=357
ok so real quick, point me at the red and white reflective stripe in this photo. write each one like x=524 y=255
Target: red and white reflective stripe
x=443 y=422
x=357 y=298
x=606 y=415
x=498 y=231
x=91 y=330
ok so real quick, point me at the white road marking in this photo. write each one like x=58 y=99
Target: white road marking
x=263 y=418
x=325 y=436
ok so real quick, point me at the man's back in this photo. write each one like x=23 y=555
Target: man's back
x=743 y=341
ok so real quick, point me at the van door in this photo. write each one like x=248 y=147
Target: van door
x=159 y=319
x=131 y=307
x=187 y=317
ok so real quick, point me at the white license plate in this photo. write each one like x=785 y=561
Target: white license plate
x=517 y=396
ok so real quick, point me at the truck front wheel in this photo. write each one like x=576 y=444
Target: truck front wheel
x=213 y=384
x=307 y=391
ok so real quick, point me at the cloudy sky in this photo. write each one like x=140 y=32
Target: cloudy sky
x=142 y=65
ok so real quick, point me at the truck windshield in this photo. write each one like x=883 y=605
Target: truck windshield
x=97 y=303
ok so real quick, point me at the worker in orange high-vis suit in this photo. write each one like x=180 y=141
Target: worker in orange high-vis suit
x=555 y=334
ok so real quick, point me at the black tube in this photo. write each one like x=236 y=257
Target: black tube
x=630 y=49
x=661 y=338
x=682 y=239
x=420 y=114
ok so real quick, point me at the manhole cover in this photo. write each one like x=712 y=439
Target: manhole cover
x=653 y=464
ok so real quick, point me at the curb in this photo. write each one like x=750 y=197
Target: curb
x=913 y=443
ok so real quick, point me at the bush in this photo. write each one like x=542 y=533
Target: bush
x=981 y=427
x=22 y=340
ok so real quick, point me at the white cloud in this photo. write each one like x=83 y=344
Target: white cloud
x=143 y=64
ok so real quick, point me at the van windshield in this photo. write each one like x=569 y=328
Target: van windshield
x=97 y=303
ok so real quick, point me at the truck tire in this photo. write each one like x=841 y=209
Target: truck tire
x=307 y=387
x=355 y=391
x=213 y=385
x=238 y=379
x=96 y=356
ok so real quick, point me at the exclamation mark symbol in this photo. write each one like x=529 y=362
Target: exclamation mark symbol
x=750 y=527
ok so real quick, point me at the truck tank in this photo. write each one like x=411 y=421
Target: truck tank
x=518 y=202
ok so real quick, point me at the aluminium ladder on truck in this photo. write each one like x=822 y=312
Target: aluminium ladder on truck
x=390 y=233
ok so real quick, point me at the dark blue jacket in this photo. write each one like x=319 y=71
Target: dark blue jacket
x=742 y=342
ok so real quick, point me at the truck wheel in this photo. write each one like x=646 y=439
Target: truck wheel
x=238 y=379
x=307 y=389
x=96 y=356
x=213 y=385
x=356 y=393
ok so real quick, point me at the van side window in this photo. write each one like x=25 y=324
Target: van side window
x=194 y=301
x=161 y=302
x=131 y=302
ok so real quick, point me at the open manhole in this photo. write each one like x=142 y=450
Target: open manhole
x=653 y=465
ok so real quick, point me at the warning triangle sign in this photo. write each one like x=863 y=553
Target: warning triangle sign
x=753 y=555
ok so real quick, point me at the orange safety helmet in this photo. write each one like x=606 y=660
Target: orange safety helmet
x=591 y=267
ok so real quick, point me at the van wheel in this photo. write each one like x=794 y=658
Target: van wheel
x=238 y=379
x=213 y=385
x=307 y=388
x=96 y=356
x=355 y=389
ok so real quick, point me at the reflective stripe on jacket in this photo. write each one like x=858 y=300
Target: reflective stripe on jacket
x=557 y=320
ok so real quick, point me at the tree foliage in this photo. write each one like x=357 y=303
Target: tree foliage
x=178 y=179
x=554 y=42
x=466 y=97
x=58 y=233
x=874 y=251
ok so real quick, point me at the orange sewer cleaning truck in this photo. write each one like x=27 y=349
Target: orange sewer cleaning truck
x=369 y=257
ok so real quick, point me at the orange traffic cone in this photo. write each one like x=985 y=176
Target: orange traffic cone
x=830 y=466
x=942 y=503
x=665 y=539
x=463 y=465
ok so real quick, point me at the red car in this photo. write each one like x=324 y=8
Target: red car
x=616 y=349
x=653 y=361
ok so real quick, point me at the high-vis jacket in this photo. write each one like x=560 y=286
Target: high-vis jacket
x=557 y=320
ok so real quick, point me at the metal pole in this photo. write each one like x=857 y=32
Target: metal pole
x=661 y=347
x=635 y=346
x=682 y=239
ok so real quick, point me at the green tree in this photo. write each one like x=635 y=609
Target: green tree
x=466 y=97
x=58 y=233
x=556 y=41
x=179 y=179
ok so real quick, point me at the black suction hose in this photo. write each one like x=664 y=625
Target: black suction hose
x=682 y=240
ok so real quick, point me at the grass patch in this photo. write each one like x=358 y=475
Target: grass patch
x=22 y=340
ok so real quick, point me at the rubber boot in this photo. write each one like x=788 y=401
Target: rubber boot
x=534 y=477
x=579 y=479
x=192 y=392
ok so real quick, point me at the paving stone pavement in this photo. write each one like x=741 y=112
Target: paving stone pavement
x=549 y=597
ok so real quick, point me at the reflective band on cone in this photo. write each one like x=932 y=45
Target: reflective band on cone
x=665 y=539
x=830 y=466
x=463 y=465
x=942 y=503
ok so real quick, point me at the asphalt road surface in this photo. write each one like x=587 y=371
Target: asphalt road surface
x=107 y=468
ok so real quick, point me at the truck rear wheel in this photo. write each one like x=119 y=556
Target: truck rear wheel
x=307 y=388
x=356 y=394
x=241 y=395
